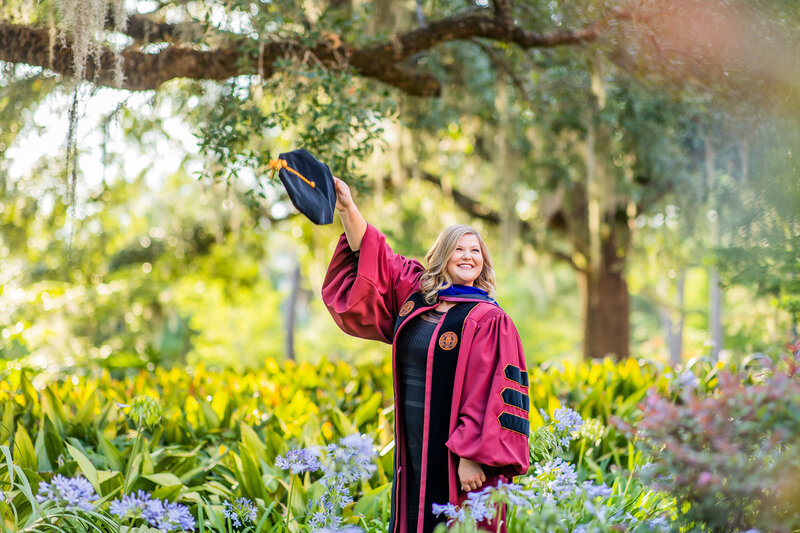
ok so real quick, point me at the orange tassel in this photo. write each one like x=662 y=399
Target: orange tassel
x=278 y=164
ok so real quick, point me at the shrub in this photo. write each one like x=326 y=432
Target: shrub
x=731 y=458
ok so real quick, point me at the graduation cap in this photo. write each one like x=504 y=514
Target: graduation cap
x=309 y=183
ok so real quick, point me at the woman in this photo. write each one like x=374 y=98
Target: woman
x=461 y=388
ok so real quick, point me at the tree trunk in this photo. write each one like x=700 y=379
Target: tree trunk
x=673 y=321
x=291 y=310
x=606 y=303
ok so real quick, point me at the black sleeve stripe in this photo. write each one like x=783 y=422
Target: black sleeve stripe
x=516 y=375
x=515 y=398
x=514 y=423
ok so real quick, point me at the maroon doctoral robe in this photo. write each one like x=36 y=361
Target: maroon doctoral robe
x=476 y=395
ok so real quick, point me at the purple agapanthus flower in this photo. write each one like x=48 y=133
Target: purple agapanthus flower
x=299 y=461
x=556 y=479
x=596 y=491
x=513 y=493
x=241 y=511
x=451 y=512
x=169 y=516
x=348 y=529
x=72 y=493
x=352 y=458
x=567 y=423
x=131 y=505
x=480 y=506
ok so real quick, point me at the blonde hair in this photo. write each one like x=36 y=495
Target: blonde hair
x=436 y=276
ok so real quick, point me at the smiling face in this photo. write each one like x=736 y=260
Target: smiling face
x=466 y=262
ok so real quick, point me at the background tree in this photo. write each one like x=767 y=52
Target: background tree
x=557 y=125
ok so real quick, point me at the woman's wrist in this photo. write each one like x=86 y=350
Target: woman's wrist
x=355 y=226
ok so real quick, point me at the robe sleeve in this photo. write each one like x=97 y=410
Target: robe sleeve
x=492 y=426
x=364 y=291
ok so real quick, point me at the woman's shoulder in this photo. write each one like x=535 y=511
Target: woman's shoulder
x=486 y=312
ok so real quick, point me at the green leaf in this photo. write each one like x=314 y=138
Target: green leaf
x=86 y=465
x=42 y=457
x=165 y=479
x=24 y=452
x=342 y=423
x=52 y=407
x=85 y=414
x=169 y=492
x=368 y=410
x=110 y=453
x=253 y=442
x=212 y=420
x=7 y=426
x=370 y=503
x=133 y=472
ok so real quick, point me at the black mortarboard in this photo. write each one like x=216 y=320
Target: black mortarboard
x=309 y=183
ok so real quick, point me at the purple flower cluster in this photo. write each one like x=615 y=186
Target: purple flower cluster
x=348 y=461
x=72 y=493
x=351 y=459
x=241 y=511
x=348 y=529
x=593 y=491
x=299 y=461
x=556 y=480
x=131 y=505
x=686 y=381
x=567 y=423
x=453 y=513
x=157 y=513
x=326 y=510
x=480 y=505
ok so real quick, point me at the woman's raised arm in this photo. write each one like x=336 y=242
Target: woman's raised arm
x=354 y=224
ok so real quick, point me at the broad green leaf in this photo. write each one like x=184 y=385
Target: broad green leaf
x=342 y=423
x=169 y=492
x=112 y=456
x=132 y=473
x=164 y=479
x=24 y=452
x=211 y=418
x=253 y=442
x=52 y=407
x=370 y=503
x=367 y=410
x=85 y=414
x=7 y=425
x=86 y=465
x=42 y=457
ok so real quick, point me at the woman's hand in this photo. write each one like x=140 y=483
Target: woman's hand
x=470 y=474
x=344 y=198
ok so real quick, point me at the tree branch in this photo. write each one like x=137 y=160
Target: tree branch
x=502 y=12
x=147 y=29
x=382 y=62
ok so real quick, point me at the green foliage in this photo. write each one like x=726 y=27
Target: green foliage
x=730 y=458
x=220 y=432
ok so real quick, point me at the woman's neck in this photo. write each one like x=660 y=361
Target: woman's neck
x=444 y=305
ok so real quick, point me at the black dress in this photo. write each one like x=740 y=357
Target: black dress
x=412 y=360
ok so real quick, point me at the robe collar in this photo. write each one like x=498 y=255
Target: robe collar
x=465 y=293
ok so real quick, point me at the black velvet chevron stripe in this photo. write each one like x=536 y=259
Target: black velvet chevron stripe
x=516 y=375
x=516 y=398
x=514 y=423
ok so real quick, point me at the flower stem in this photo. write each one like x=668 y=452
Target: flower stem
x=289 y=501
